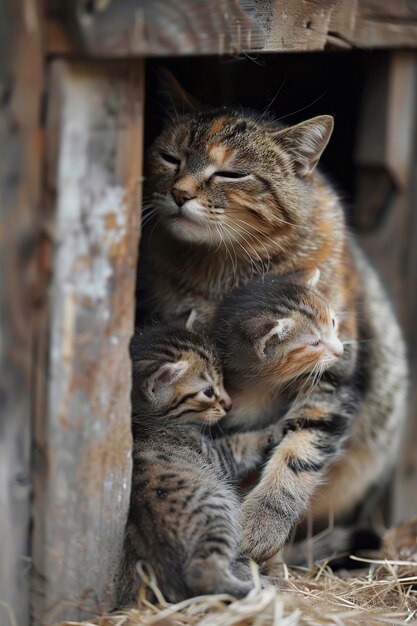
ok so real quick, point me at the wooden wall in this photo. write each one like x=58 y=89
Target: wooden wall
x=82 y=434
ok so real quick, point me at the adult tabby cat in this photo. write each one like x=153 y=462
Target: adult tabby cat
x=184 y=512
x=238 y=196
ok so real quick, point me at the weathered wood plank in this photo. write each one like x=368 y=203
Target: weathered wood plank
x=83 y=438
x=166 y=27
x=180 y=27
x=386 y=156
x=20 y=158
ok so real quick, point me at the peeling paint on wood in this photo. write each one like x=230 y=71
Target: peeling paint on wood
x=86 y=440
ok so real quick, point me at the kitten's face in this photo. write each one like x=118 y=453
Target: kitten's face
x=299 y=338
x=188 y=390
x=224 y=177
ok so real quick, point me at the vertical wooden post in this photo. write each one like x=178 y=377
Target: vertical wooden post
x=83 y=438
x=386 y=213
x=20 y=158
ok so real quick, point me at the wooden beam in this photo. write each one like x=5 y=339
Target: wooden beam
x=83 y=437
x=20 y=159
x=136 y=28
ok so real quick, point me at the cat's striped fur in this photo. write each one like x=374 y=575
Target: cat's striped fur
x=236 y=197
x=184 y=512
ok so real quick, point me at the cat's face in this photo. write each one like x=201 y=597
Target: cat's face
x=281 y=332
x=180 y=383
x=223 y=177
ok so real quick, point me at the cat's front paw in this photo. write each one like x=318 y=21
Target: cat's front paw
x=265 y=529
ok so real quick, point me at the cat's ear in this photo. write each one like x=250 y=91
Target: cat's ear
x=165 y=375
x=177 y=98
x=265 y=333
x=305 y=142
x=267 y=344
x=309 y=278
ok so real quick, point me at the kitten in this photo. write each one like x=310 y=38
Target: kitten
x=184 y=512
x=236 y=196
x=279 y=337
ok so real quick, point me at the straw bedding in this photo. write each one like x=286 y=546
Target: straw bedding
x=384 y=592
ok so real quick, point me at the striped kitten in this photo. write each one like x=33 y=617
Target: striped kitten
x=279 y=338
x=184 y=512
x=236 y=196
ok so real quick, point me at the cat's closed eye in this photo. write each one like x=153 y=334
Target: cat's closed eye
x=226 y=174
x=169 y=158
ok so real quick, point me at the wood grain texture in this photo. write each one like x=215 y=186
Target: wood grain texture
x=20 y=158
x=181 y=27
x=83 y=438
x=166 y=27
x=386 y=216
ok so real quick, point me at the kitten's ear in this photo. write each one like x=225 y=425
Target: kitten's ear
x=164 y=375
x=191 y=319
x=309 y=278
x=266 y=346
x=186 y=321
x=305 y=142
x=265 y=333
x=175 y=95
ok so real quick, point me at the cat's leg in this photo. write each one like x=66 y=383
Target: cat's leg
x=315 y=430
x=240 y=453
x=214 y=547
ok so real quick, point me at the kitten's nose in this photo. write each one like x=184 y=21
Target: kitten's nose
x=182 y=195
x=335 y=346
x=226 y=404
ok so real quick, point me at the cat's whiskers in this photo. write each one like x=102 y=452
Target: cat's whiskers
x=310 y=381
x=148 y=217
x=273 y=242
x=153 y=229
x=297 y=377
x=234 y=263
x=251 y=260
x=268 y=265
x=246 y=242
x=276 y=217
x=228 y=228
x=232 y=241
x=220 y=238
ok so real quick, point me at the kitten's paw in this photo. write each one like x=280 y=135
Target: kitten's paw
x=264 y=531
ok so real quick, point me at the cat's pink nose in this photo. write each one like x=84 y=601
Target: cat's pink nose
x=182 y=195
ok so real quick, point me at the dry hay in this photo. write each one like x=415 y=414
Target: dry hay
x=384 y=593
